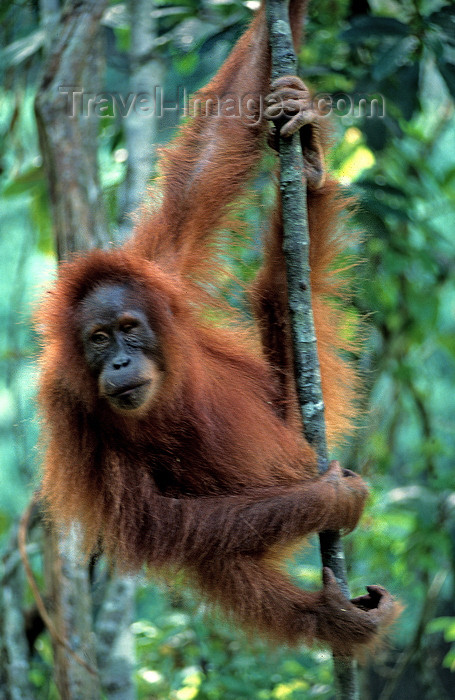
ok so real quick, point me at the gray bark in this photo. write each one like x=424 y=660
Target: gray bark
x=49 y=17
x=306 y=365
x=14 y=655
x=68 y=588
x=68 y=145
x=115 y=643
x=146 y=73
x=72 y=171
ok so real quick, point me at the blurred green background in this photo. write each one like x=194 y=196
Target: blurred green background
x=401 y=167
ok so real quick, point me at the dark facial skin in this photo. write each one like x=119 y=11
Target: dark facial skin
x=120 y=347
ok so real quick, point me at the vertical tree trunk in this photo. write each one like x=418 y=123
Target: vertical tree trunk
x=68 y=588
x=115 y=643
x=14 y=656
x=79 y=222
x=69 y=148
x=146 y=73
x=71 y=169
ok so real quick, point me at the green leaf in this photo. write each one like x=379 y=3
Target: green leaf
x=364 y=27
x=123 y=38
x=376 y=133
x=445 y=19
x=161 y=12
x=40 y=215
x=382 y=209
x=405 y=89
x=393 y=57
x=447 y=71
x=449 y=660
x=24 y=182
x=20 y=50
x=443 y=624
x=186 y=63
x=448 y=177
x=374 y=187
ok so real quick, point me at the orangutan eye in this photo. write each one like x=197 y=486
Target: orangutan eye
x=129 y=326
x=99 y=338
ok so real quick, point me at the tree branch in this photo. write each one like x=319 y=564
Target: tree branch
x=306 y=365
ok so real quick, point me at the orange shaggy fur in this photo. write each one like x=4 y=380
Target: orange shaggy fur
x=216 y=475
